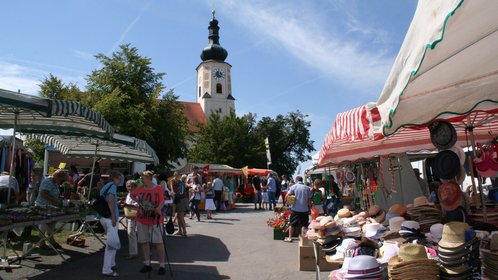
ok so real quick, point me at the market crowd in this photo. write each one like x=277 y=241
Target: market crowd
x=153 y=205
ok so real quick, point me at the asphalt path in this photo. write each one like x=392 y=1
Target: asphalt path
x=234 y=245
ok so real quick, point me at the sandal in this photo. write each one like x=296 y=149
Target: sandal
x=112 y=274
x=287 y=239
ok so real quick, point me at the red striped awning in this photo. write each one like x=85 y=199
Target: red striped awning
x=415 y=139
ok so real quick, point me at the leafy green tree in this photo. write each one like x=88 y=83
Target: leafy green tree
x=54 y=88
x=229 y=140
x=126 y=90
x=37 y=147
x=289 y=139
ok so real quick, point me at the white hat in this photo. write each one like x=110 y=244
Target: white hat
x=370 y=230
x=347 y=244
x=363 y=266
x=395 y=223
x=410 y=225
x=387 y=251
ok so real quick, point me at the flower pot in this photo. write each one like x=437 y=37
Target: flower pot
x=278 y=234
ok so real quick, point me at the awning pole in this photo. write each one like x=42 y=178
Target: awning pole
x=483 y=202
x=45 y=162
x=93 y=170
x=11 y=171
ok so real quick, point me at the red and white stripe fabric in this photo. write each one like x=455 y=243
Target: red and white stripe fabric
x=405 y=140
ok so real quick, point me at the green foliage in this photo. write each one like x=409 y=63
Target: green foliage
x=289 y=139
x=230 y=140
x=239 y=141
x=126 y=91
x=38 y=148
x=54 y=88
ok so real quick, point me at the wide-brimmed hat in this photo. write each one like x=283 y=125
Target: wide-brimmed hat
x=376 y=213
x=453 y=235
x=343 y=213
x=409 y=227
x=450 y=195
x=395 y=223
x=436 y=233
x=370 y=230
x=409 y=253
x=493 y=242
x=446 y=165
x=363 y=267
x=397 y=209
x=421 y=201
x=387 y=252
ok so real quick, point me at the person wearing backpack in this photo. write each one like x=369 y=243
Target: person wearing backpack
x=110 y=224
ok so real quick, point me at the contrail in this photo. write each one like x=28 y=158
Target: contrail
x=128 y=28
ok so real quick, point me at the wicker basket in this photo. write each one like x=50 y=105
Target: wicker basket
x=130 y=212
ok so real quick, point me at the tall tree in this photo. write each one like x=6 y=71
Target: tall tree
x=126 y=90
x=289 y=139
x=54 y=88
x=229 y=140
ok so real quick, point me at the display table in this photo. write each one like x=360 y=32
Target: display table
x=63 y=219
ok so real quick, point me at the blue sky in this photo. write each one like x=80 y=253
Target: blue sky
x=321 y=57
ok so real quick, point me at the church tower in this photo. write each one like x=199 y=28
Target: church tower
x=214 y=80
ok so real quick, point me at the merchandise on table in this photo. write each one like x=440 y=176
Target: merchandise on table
x=407 y=264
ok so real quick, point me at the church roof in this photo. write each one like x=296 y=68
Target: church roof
x=206 y=95
x=193 y=112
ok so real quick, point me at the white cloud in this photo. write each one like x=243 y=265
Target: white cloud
x=27 y=78
x=320 y=42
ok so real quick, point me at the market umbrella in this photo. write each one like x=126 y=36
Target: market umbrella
x=31 y=114
x=446 y=67
x=121 y=147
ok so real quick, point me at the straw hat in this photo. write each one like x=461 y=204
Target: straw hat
x=453 y=235
x=409 y=253
x=363 y=267
x=343 y=213
x=395 y=223
x=421 y=201
x=450 y=195
x=493 y=242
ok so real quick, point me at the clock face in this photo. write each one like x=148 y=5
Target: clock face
x=218 y=74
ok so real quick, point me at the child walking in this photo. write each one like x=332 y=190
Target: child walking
x=210 y=206
x=131 y=223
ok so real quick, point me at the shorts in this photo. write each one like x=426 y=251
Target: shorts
x=144 y=233
x=299 y=219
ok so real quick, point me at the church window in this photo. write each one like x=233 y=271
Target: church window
x=199 y=91
x=219 y=88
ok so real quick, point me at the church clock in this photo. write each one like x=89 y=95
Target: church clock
x=218 y=74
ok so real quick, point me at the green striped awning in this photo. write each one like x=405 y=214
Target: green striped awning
x=121 y=147
x=48 y=116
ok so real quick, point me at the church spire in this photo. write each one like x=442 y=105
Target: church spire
x=214 y=51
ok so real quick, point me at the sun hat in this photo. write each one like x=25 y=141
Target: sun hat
x=370 y=230
x=446 y=165
x=436 y=232
x=493 y=241
x=346 y=244
x=409 y=253
x=395 y=223
x=376 y=213
x=387 y=251
x=453 y=235
x=344 y=213
x=326 y=220
x=450 y=195
x=408 y=226
x=363 y=266
x=421 y=201
x=398 y=209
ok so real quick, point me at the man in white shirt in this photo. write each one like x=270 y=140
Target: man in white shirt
x=218 y=191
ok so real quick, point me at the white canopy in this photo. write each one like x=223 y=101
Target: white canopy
x=122 y=147
x=446 y=67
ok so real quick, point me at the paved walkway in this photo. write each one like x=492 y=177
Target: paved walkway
x=234 y=245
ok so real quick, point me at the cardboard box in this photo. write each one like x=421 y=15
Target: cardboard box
x=307 y=260
x=303 y=241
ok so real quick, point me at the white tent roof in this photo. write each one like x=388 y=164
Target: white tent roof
x=447 y=65
x=121 y=148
